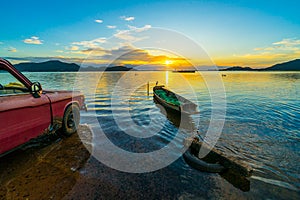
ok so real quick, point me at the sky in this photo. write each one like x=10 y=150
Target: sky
x=224 y=33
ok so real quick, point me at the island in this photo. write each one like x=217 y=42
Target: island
x=293 y=65
x=59 y=66
x=48 y=66
x=113 y=68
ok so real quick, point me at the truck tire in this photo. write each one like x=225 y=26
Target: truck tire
x=71 y=120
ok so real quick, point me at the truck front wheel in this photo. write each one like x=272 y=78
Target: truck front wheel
x=71 y=120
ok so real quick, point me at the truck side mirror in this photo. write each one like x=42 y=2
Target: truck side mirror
x=36 y=89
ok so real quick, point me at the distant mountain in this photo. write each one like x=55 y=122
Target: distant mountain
x=118 y=68
x=237 y=68
x=92 y=69
x=114 y=68
x=293 y=65
x=58 y=66
x=48 y=66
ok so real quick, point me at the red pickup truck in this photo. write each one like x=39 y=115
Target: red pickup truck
x=27 y=111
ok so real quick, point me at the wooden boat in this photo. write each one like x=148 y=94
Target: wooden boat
x=214 y=158
x=234 y=170
x=173 y=101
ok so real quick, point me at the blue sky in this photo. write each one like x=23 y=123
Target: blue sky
x=249 y=33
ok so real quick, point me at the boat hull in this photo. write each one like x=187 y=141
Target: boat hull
x=185 y=107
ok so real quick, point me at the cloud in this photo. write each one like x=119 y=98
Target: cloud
x=125 y=35
x=73 y=48
x=111 y=27
x=12 y=49
x=98 y=51
x=141 y=29
x=33 y=40
x=120 y=49
x=59 y=51
x=128 y=55
x=129 y=35
x=283 y=45
x=263 y=55
x=280 y=51
x=127 y=18
x=91 y=43
x=125 y=55
x=288 y=42
x=99 y=21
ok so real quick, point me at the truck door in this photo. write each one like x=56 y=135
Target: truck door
x=22 y=116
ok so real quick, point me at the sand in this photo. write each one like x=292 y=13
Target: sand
x=45 y=168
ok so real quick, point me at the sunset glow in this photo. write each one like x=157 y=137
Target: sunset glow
x=252 y=34
x=168 y=62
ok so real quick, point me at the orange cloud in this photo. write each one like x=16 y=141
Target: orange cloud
x=33 y=40
x=286 y=49
x=12 y=49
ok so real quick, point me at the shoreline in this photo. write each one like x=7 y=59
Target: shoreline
x=44 y=168
x=57 y=167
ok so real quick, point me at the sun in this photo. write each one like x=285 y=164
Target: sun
x=168 y=62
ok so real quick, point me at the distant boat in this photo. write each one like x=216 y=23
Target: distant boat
x=174 y=102
x=184 y=71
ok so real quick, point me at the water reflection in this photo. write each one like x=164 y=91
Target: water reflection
x=183 y=121
x=262 y=123
x=237 y=181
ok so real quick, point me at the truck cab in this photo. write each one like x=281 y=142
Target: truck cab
x=27 y=111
